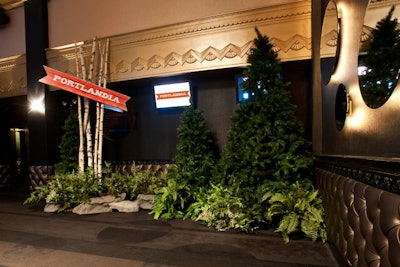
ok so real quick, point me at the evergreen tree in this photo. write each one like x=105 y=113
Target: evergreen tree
x=69 y=145
x=265 y=142
x=196 y=150
x=382 y=61
x=195 y=159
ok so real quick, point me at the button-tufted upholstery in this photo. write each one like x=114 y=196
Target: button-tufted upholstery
x=129 y=167
x=363 y=222
x=40 y=175
x=4 y=176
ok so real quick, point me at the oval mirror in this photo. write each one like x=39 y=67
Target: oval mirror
x=379 y=59
x=341 y=106
x=330 y=41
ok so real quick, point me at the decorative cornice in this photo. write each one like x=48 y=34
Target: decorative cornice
x=330 y=39
x=212 y=43
x=190 y=57
x=295 y=43
x=227 y=22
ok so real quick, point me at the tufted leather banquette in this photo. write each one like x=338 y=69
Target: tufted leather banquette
x=40 y=175
x=129 y=167
x=363 y=222
x=4 y=176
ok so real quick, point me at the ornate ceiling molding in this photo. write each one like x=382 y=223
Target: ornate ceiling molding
x=13 y=76
x=205 y=44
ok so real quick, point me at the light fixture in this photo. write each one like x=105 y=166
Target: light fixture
x=37 y=105
x=349 y=105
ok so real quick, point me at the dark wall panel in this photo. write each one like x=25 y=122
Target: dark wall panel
x=153 y=136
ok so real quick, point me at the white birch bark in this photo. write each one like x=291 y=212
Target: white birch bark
x=101 y=127
x=97 y=129
x=81 y=149
x=89 y=142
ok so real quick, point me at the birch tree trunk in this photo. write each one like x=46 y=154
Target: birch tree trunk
x=97 y=129
x=81 y=150
x=93 y=151
x=87 y=124
x=101 y=117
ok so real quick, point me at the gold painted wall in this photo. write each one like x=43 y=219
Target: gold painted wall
x=367 y=133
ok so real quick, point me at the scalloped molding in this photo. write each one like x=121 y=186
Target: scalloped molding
x=206 y=44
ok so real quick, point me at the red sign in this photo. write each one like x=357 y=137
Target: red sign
x=173 y=95
x=84 y=88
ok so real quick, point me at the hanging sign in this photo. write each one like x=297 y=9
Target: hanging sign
x=84 y=88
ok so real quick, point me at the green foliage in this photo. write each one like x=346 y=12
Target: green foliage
x=265 y=140
x=173 y=199
x=195 y=159
x=298 y=208
x=265 y=150
x=71 y=189
x=221 y=208
x=118 y=183
x=382 y=61
x=69 y=145
x=263 y=73
x=141 y=182
x=148 y=183
x=196 y=151
x=67 y=190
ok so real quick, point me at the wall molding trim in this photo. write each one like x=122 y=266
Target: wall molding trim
x=205 y=44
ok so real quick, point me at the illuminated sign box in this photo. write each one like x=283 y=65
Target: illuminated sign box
x=172 y=95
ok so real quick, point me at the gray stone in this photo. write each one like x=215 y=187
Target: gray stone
x=146 y=202
x=121 y=197
x=51 y=207
x=91 y=209
x=102 y=200
x=125 y=206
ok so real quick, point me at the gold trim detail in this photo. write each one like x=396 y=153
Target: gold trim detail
x=217 y=42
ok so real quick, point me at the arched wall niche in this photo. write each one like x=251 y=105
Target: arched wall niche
x=367 y=133
x=379 y=71
x=330 y=41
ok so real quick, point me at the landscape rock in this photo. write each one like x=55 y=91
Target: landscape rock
x=102 y=199
x=91 y=209
x=51 y=207
x=125 y=206
x=146 y=202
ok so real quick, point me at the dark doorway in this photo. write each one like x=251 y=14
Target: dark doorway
x=18 y=163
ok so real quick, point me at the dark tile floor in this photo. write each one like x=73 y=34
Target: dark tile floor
x=30 y=237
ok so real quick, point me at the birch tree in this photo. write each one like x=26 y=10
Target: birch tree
x=98 y=65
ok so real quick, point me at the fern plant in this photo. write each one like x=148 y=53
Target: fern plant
x=298 y=208
x=173 y=199
x=222 y=209
x=140 y=182
x=67 y=190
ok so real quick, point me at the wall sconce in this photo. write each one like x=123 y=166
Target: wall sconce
x=349 y=109
x=37 y=105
